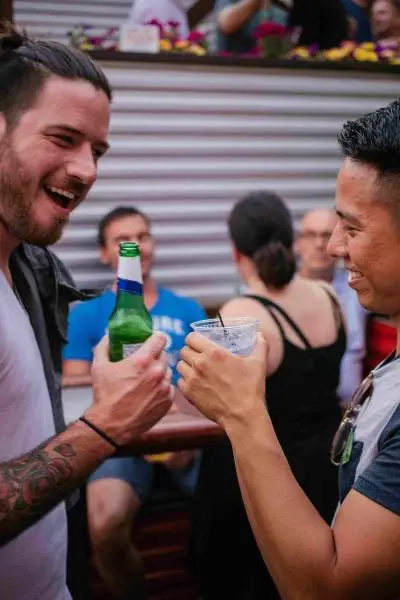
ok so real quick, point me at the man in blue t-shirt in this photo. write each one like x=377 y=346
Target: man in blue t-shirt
x=119 y=487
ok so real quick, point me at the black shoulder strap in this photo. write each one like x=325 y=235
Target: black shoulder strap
x=270 y=312
x=268 y=305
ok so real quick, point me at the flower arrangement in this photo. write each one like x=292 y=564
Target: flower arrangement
x=170 y=41
x=388 y=53
x=272 y=40
x=80 y=37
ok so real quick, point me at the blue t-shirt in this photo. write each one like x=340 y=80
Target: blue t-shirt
x=172 y=314
x=374 y=466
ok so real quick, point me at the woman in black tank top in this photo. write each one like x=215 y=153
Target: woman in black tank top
x=303 y=406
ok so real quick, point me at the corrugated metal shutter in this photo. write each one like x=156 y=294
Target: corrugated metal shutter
x=188 y=141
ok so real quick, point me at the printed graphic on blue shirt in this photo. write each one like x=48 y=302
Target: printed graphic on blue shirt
x=172 y=314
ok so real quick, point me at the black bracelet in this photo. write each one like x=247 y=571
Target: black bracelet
x=99 y=432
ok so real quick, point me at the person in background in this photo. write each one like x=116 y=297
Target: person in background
x=236 y=20
x=302 y=321
x=314 y=233
x=358 y=555
x=120 y=486
x=164 y=11
x=321 y=22
x=54 y=124
x=358 y=18
x=385 y=20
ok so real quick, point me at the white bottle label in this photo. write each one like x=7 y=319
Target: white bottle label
x=128 y=349
x=129 y=268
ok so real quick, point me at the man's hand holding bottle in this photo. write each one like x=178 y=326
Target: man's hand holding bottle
x=130 y=395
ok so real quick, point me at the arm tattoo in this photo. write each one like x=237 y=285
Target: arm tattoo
x=33 y=484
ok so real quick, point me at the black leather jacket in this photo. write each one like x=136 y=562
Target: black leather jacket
x=46 y=289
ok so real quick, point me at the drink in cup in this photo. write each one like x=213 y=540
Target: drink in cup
x=237 y=335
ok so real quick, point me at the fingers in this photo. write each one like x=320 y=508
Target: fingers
x=171 y=394
x=183 y=368
x=261 y=349
x=198 y=342
x=150 y=350
x=101 y=350
x=183 y=388
x=164 y=382
x=188 y=355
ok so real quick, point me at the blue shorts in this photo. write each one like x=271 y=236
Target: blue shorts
x=138 y=472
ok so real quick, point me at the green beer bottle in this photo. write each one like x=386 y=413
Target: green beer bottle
x=130 y=323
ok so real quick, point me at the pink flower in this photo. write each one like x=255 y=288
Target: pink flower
x=269 y=29
x=174 y=24
x=157 y=23
x=196 y=37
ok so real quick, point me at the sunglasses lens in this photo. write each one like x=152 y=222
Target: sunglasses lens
x=339 y=441
x=347 y=424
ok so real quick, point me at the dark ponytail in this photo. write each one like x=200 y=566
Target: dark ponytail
x=260 y=227
x=275 y=264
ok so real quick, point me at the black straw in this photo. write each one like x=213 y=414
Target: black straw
x=226 y=334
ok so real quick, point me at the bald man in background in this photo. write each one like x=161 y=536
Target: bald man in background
x=315 y=263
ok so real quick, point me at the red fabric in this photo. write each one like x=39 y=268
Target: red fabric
x=381 y=341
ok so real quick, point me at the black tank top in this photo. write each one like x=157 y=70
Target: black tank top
x=305 y=412
x=301 y=394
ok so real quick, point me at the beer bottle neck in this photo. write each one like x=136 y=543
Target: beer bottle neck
x=129 y=281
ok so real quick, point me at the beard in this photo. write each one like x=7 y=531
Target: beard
x=16 y=183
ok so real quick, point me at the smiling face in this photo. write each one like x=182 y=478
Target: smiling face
x=48 y=161
x=367 y=237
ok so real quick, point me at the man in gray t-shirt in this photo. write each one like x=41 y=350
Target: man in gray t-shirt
x=358 y=556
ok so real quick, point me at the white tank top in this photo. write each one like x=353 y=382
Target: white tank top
x=33 y=565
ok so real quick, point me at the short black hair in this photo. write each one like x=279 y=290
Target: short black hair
x=260 y=226
x=374 y=140
x=25 y=65
x=114 y=215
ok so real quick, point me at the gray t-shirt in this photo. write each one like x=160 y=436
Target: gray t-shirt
x=33 y=565
x=374 y=465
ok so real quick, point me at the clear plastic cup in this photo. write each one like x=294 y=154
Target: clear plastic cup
x=238 y=335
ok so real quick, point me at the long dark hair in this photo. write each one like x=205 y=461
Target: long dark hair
x=261 y=228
